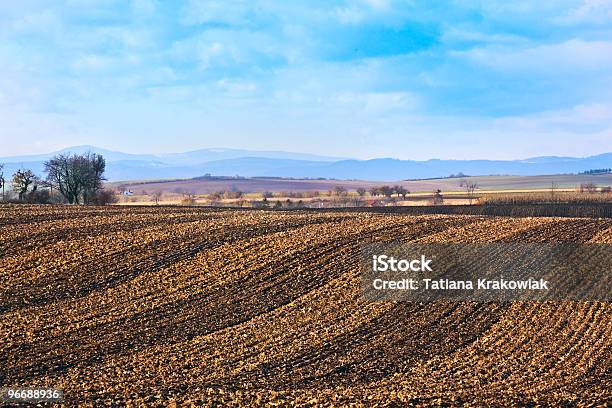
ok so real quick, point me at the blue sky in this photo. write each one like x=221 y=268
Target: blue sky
x=369 y=78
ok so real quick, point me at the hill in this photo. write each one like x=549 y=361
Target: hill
x=277 y=184
x=171 y=306
x=250 y=163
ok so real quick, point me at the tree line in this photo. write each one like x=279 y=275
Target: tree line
x=386 y=191
x=597 y=171
x=77 y=178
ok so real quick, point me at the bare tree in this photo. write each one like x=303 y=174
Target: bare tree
x=93 y=175
x=437 y=198
x=387 y=191
x=105 y=197
x=189 y=198
x=22 y=180
x=374 y=191
x=157 y=196
x=2 y=181
x=553 y=189
x=361 y=191
x=401 y=191
x=215 y=196
x=588 y=188
x=469 y=188
x=234 y=194
x=339 y=191
x=77 y=177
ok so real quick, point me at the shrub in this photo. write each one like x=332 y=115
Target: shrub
x=437 y=198
x=232 y=194
x=188 y=199
x=215 y=196
x=104 y=197
x=262 y=204
x=338 y=191
x=588 y=188
x=38 y=197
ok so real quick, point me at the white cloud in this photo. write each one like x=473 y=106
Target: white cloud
x=457 y=34
x=42 y=22
x=240 y=49
x=579 y=118
x=381 y=11
x=25 y=132
x=119 y=65
x=571 y=55
x=236 y=87
x=122 y=37
x=377 y=4
x=143 y=8
x=93 y=62
x=589 y=11
x=373 y=103
x=516 y=9
x=349 y=15
x=262 y=67
x=232 y=12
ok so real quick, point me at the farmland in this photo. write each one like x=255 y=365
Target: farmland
x=162 y=305
x=277 y=184
x=322 y=193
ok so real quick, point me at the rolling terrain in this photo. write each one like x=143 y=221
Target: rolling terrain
x=276 y=184
x=253 y=163
x=169 y=305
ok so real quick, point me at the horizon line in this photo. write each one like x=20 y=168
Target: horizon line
x=337 y=158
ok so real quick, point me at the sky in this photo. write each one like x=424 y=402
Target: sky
x=364 y=78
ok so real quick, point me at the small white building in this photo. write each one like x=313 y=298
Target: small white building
x=128 y=193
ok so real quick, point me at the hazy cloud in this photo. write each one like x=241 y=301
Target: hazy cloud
x=360 y=78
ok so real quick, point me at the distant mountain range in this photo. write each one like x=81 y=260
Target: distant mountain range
x=250 y=163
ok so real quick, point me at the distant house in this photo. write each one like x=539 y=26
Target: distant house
x=128 y=193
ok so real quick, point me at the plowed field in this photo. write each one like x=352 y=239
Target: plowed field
x=156 y=306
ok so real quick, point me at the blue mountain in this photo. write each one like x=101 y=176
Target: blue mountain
x=249 y=163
